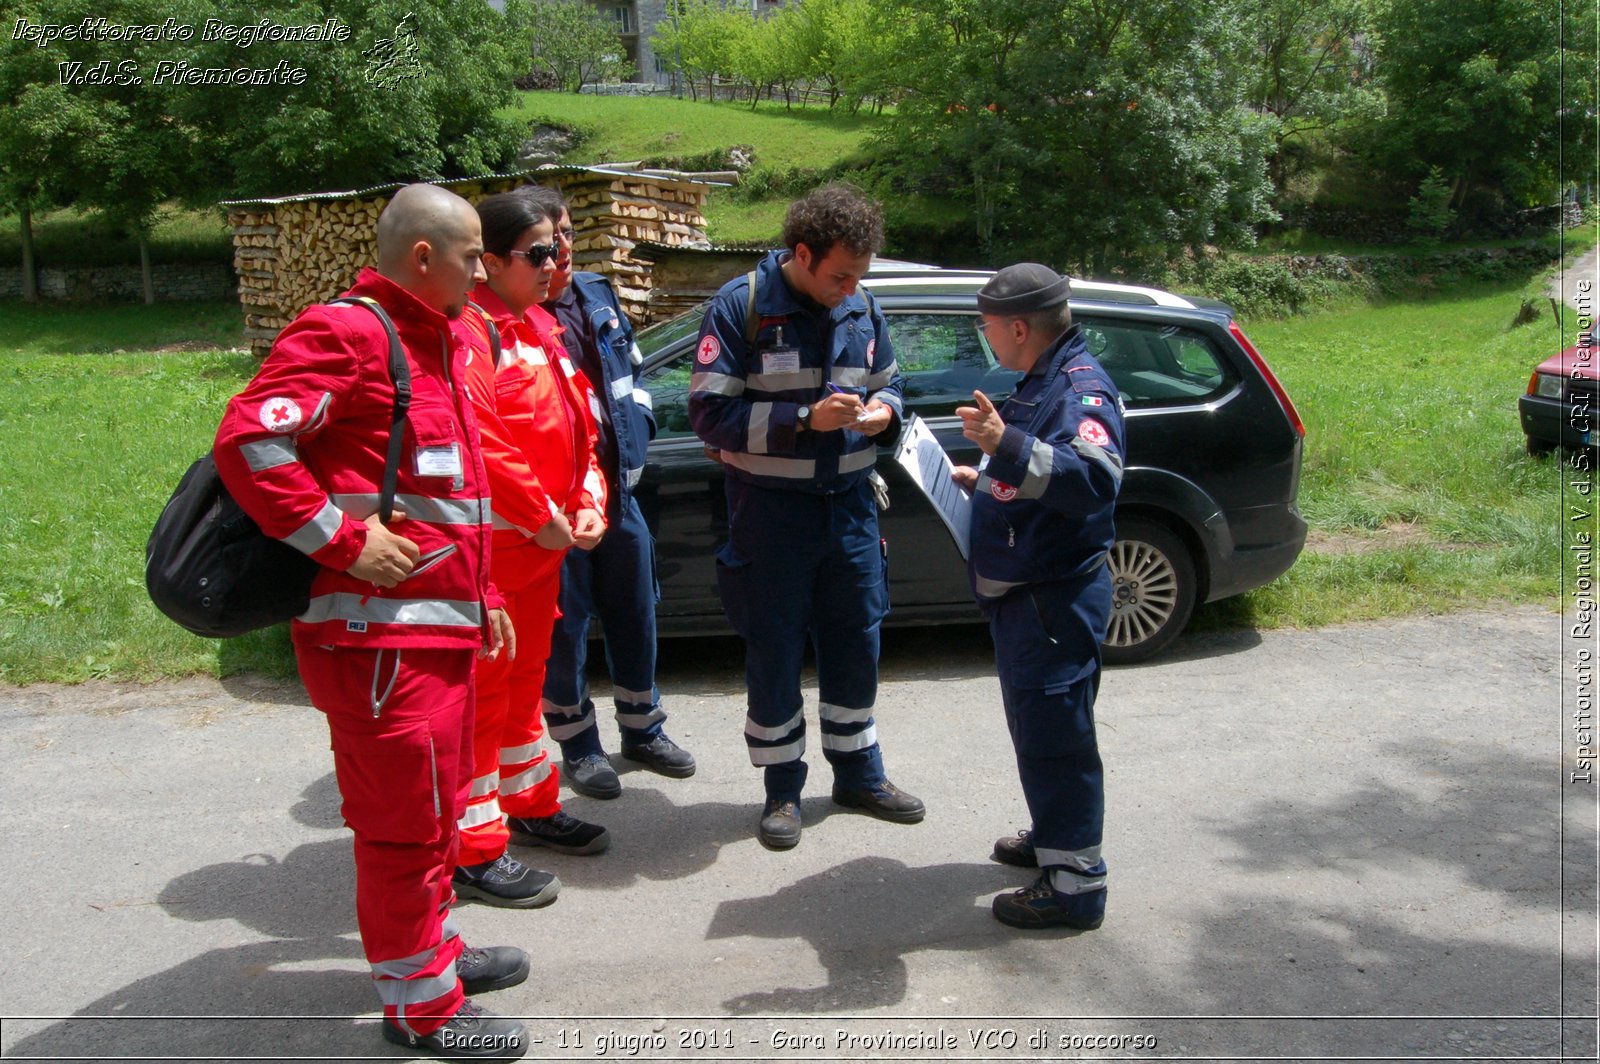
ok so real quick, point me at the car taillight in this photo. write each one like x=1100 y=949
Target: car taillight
x=1272 y=379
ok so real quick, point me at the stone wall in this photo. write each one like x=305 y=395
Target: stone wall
x=173 y=283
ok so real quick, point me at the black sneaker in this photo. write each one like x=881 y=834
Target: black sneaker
x=473 y=1033
x=1017 y=850
x=780 y=824
x=561 y=832
x=592 y=776
x=506 y=882
x=1042 y=905
x=494 y=968
x=885 y=801
x=662 y=755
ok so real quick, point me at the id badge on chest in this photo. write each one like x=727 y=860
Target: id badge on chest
x=781 y=360
x=441 y=461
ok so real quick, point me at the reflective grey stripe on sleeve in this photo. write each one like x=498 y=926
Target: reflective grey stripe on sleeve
x=856 y=461
x=1041 y=463
x=799 y=380
x=595 y=484
x=320 y=414
x=843 y=714
x=760 y=428
x=634 y=476
x=883 y=377
x=319 y=531
x=269 y=453
x=348 y=606
x=993 y=589
x=778 y=755
x=767 y=466
x=1100 y=456
x=849 y=743
x=362 y=505
x=643 y=398
x=752 y=730
x=849 y=376
x=622 y=387
x=716 y=384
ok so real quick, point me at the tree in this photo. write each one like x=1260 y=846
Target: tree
x=700 y=37
x=573 y=40
x=1091 y=131
x=1310 y=67
x=1475 y=88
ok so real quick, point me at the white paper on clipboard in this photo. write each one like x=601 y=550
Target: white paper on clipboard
x=925 y=462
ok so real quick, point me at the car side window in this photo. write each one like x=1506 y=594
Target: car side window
x=944 y=361
x=1155 y=364
x=668 y=385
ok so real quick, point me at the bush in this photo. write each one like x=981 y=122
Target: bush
x=1430 y=213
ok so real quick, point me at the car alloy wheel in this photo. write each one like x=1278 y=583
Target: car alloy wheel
x=1152 y=590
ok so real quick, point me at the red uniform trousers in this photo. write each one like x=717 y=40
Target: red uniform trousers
x=512 y=774
x=400 y=721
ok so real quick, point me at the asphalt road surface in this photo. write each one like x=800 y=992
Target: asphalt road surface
x=1357 y=842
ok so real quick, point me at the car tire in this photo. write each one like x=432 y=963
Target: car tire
x=1153 y=590
x=1539 y=448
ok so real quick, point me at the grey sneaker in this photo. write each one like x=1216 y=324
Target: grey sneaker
x=592 y=776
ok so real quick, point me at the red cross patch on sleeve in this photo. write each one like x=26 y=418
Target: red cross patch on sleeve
x=1091 y=431
x=709 y=350
x=279 y=414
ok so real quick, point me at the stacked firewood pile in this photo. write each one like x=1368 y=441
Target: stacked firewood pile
x=292 y=252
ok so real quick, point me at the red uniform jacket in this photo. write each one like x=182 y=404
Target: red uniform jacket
x=536 y=415
x=302 y=449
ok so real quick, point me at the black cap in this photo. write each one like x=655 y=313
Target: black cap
x=1023 y=289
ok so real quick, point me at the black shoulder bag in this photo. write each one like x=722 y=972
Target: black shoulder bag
x=211 y=569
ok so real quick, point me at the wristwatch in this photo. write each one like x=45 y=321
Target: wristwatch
x=802 y=417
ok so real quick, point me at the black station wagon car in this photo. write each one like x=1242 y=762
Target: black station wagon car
x=1207 y=507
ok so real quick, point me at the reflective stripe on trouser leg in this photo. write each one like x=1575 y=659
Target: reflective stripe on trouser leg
x=623 y=594
x=403 y=780
x=1058 y=760
x=851 y=598
x=568 y=711
x=765 y=575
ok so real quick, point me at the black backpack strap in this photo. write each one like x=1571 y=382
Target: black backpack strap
x=494 y=331
x=400 y=375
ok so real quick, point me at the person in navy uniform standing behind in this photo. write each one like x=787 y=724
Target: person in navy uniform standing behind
x=795 y=385
x=1041 y=526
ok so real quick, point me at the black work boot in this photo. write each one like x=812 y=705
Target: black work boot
x=473 y=1033
x=884 y=801
x=661 y=755
x=494 y=968
x=506 y=882
x=780 y=824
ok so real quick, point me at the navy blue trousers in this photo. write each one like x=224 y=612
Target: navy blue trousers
x=799 y=568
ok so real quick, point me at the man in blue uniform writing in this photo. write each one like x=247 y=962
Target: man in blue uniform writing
x=795 y=385
x=1041 y=526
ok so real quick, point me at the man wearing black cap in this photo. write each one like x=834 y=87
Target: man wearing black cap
x=1041 y=527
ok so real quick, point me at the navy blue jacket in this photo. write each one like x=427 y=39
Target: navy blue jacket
x=743 y=400
x=599 y=340
x=1042 y=520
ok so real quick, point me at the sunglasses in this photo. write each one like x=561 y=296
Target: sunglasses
x=539 y=254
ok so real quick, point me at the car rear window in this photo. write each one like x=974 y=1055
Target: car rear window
x=1156 y=364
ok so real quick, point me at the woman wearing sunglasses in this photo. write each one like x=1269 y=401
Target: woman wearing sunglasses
x=535 y=417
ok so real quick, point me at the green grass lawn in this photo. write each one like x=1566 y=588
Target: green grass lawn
x=72 y=238
x=1416 y=485
x=626 y=128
